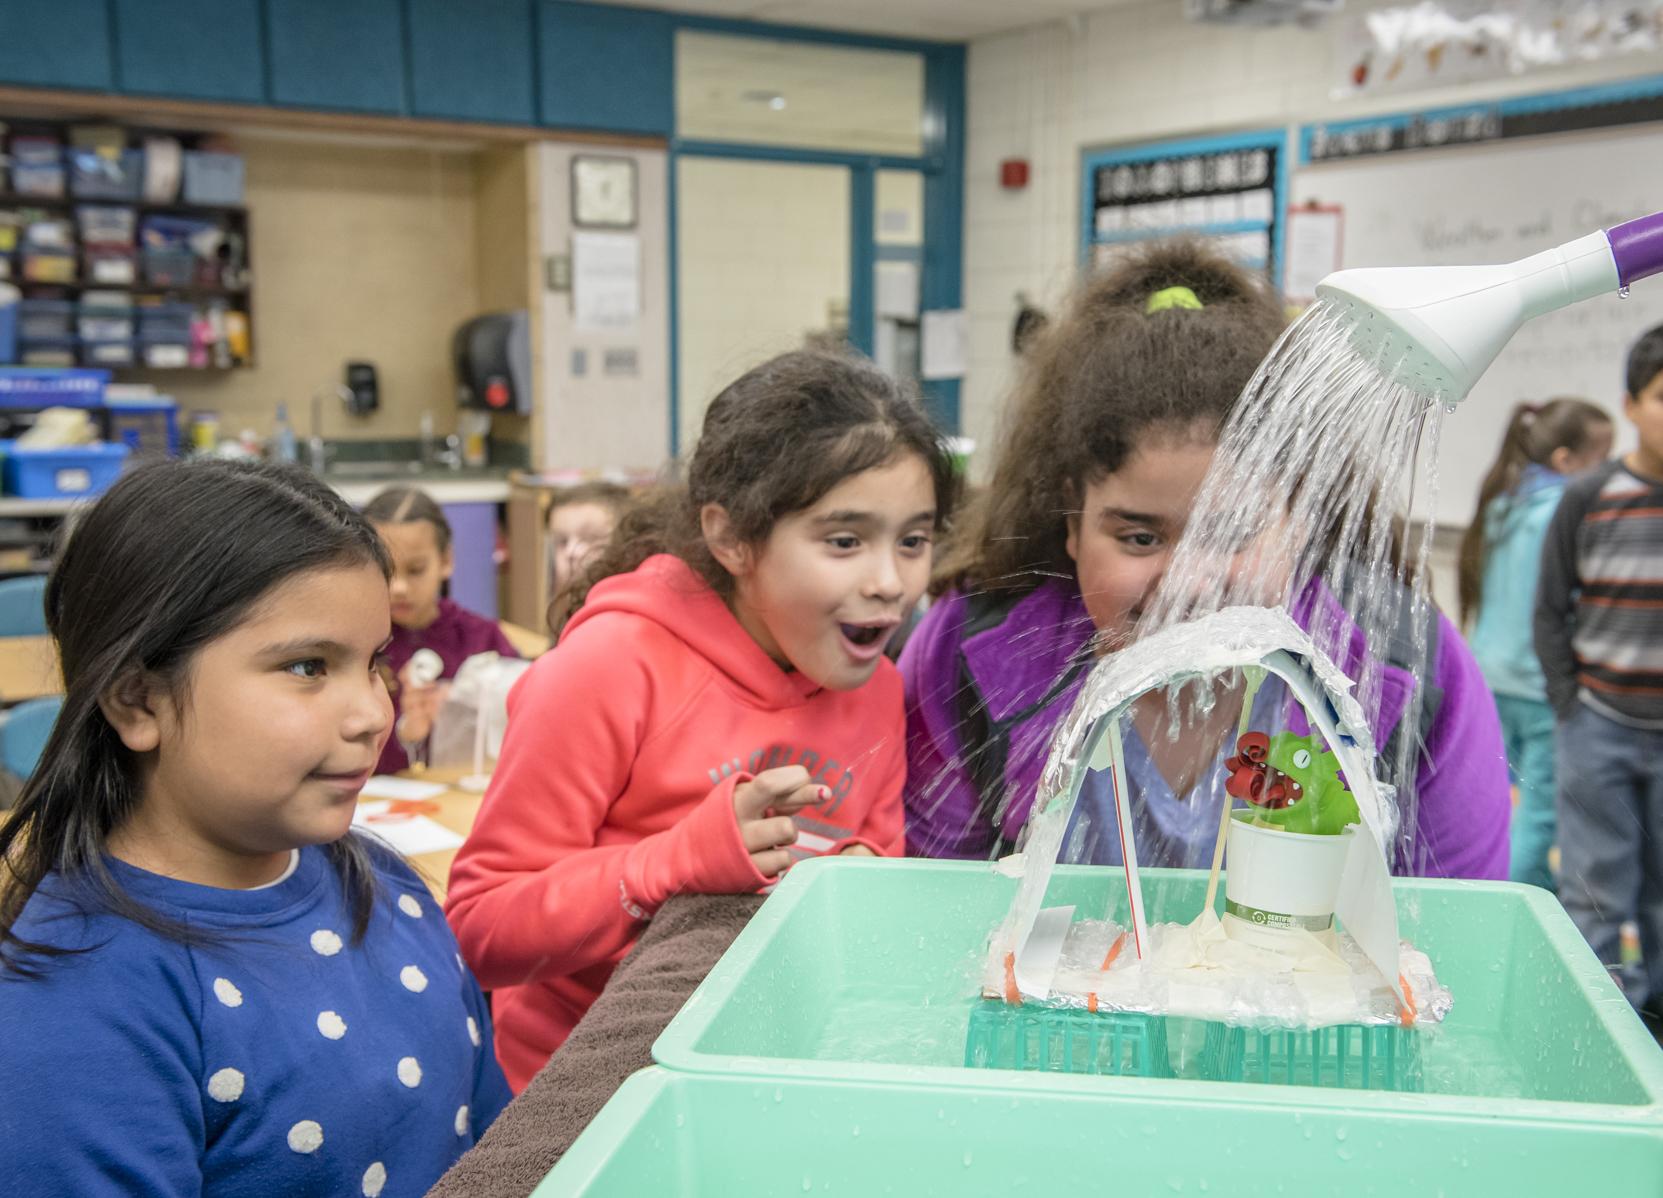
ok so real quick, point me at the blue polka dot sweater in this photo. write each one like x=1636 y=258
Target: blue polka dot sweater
x=279 y=1059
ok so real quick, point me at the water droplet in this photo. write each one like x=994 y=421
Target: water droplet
x=1340 y=1133
x=779 y=1095
x=1449 y=408
x=1622 y=292
x=808 y=1183
x=967 y=1160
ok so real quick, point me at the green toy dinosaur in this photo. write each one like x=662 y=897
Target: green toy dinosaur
x=1293 y=781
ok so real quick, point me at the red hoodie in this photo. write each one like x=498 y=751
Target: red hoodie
x=615 y=790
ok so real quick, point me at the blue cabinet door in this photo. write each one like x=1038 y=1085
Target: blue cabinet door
x=190 y=49
x=65 y=43
x=472 y=61
x=341 y=54
x=606 y=68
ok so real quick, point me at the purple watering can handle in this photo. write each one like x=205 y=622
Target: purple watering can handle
x=1637 y=245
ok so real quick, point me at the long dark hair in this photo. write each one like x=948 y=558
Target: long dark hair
x=774 y=442
x=409 y=505
x=1533 y=433
x=1098 y=380
x=173 y=557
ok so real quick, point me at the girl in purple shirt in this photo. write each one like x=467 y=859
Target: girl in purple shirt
x=418 y=537
x=1112 y=434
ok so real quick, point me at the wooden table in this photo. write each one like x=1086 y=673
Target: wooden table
x=456 y=811
x=28 y=668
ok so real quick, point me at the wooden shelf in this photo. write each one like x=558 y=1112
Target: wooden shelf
x=67 y=203
x=196 y=293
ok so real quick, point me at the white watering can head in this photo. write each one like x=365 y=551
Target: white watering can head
x=1438 y=328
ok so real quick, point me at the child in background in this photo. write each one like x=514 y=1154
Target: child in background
x=208 y=984
x=418 y=538
x=1114 y=430
x=1599 y=635
x=1501 y=554
x=581 y=520
x=720 y=704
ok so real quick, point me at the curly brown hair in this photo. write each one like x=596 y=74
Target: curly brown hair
x=1100 y=379
x=774 y=442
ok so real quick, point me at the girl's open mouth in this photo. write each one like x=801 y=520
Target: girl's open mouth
x=866 y=641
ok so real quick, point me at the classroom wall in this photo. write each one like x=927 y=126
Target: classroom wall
x=361 y=251
x=603 y=410
x=1131 y=74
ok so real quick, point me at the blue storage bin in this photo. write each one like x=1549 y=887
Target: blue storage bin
x=68 y=472
x=169 y=268
x=8 y=325
x=213 y=178
x=80 y=388
x=93 y=176
x=165 y=351
x=45 y=320
x=170 y=320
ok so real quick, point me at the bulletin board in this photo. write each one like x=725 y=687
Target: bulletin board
x=1231 y=188
x=1476 y=195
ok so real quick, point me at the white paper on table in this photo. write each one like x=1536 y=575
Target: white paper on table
x=946 y=344
x=384 y=786
x=1313 y=249
x=606 y=281
x=408 y=835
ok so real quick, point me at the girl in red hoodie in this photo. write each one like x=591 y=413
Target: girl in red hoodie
x=719 y=703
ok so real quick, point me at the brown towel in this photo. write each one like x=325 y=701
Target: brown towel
x=612 y=1040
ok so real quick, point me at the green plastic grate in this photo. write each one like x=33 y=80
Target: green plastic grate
x=1065 y=1040
x=1347 y=1057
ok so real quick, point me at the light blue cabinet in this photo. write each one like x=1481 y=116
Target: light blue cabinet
x=189 y=49
x=472 y=61
x=611 y=69
x=65 y=43
x=340 y=54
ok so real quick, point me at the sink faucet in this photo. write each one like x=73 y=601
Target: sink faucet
x=317 y=453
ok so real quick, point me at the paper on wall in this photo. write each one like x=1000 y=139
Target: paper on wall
x=606 y=281
x=946 y=336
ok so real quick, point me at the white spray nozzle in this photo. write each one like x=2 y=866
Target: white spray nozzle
x=1438 y=328
x=425 y=667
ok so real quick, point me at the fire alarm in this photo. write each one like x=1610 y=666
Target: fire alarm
x=1013 y=174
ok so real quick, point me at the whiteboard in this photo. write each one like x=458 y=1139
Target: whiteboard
x=1495 y=203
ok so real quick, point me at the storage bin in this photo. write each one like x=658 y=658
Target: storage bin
x=105 y=325
x=165 y=320
x=708 y=1136
x=37 y=167
x=148 y=426
x=8 y=324
x=95 y=176
x=213 y=178
x=864 y=974
x=45 y=319
x=101 y=225
x=52 y=388
x=47 y=352
x=67 y=472
x=113 y=266
x=170 y=268
x=109 y=354
x=164 y=351
x=49 y=266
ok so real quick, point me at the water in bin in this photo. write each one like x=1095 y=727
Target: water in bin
x=468 y=731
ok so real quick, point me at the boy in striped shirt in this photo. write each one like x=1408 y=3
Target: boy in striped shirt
x=1599 y=635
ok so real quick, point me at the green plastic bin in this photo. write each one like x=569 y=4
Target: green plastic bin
x=864 y=972
x=696 y=1135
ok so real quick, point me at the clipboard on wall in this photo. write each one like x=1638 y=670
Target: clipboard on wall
x=1315 y=235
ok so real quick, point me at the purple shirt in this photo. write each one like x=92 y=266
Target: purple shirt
x=1464 y=799
x=455 y=636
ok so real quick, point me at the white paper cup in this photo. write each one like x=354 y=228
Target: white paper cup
x=1277 y=879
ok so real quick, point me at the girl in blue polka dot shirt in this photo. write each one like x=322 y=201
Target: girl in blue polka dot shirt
x=208 y=985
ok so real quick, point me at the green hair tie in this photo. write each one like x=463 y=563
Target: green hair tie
x=1172 y=297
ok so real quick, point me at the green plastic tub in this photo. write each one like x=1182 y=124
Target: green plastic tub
x=736 y=1137
x=865 y=973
